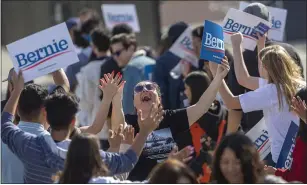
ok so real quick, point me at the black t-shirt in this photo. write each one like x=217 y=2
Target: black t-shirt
x=159 y=143
x=250 y=119
x=174 y=129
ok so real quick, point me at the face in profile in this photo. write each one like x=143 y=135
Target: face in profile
x=230 y=167
x=196 y=45
x=120 y=54
x=145 y=93
x=187 y=92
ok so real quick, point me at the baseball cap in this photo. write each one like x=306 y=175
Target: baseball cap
x=259 y=10
x=72 y=22
x=9 y=78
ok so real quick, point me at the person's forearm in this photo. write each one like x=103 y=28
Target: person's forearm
x=117 y=116
x=240 y=68
x=12 y=103
x=208 y=96
x=230 y=101
x=138 y=144
x=260 y=46
x=60 y=79
x=234 y=120
x=100 y=118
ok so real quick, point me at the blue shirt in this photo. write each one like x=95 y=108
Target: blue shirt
x=40 y=163
x=12 y=167
x=134 y=73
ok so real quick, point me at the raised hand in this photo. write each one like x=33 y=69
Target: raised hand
x=236 y=38
x=110 y=85
x=299 y=107
x=18 y=81
x=223 y=68
x=183 y=155
x=119 y=94
x=152 y=120
x=128 y=135
x=261 y=39
x=116 y=138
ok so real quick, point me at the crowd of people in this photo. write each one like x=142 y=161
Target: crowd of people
x=119 y=116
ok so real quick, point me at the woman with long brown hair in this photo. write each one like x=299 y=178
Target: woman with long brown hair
x=281 y=80
x=237 y=161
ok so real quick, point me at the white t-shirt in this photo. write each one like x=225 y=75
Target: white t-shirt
x=277 y=121
x=109 y=180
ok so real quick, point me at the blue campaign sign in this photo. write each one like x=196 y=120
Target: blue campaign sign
x=285 y=156
x=212 y=44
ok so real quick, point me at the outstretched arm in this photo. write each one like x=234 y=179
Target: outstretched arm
x=117 y=116
x=230 y=101
x=60 y=79
x=194 y=112
x=109 y=86
x=241 y=71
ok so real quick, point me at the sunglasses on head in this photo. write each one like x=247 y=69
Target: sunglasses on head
x=140 y=88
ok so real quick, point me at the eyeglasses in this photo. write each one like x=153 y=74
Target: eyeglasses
x=117 y=53
x=140 y=88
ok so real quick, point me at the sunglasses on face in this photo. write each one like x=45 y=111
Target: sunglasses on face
x=117 y=53
x=140 y=88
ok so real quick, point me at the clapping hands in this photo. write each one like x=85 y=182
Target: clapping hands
x=110 y=85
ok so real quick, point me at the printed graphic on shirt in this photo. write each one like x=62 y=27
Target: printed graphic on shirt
x=285 y=157
x=159 y=144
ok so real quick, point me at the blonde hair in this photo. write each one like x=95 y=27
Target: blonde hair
x=282 y=71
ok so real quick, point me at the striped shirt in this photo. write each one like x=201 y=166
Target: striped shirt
x=42 y=158
x=12 y=168
x=38 y=160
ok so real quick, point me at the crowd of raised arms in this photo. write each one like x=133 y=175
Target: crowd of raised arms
x=106 y=121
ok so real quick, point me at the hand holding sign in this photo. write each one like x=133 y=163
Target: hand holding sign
x=18 y=81
x=212 y=44
x=236 y=39
x=222 y=69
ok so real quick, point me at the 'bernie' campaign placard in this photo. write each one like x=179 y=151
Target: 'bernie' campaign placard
x=212 y=45
x=239 y=21
x=43 y=52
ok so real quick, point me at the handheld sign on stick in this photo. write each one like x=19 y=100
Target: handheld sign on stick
x=278 y=20
x=114 y=14
x=239 y=21
x=183 y=48
x=43 y=52
x=212 y=44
